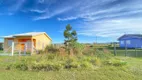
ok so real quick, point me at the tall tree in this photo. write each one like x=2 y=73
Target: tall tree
x=70 y=37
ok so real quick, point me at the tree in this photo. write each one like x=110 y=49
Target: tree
x=70 y=37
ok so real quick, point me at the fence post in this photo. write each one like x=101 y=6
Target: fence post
x=114 y=49
x=12 y=48
x=136 y=51
x=125 y=48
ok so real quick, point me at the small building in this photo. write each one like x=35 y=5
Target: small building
x=27 y=41
x=130 y=41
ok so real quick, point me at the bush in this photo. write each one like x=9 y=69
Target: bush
x=103 y=54
x=54 y=62
x=8 y=67
x=96 y=61
x=86 y=64
x=72 y=65
x=51 y=49
x=119 y=63
x=49 y=66
x=116 y=62
x=78 y=48
x=22 y=66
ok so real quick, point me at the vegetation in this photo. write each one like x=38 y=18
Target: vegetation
x=118 y=68
x=85 y=62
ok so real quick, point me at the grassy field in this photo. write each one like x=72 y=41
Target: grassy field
x=132 y=71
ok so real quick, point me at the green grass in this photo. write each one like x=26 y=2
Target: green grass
x=132 y=71
x=1 y=51
x=101 y=74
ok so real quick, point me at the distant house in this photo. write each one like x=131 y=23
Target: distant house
x=28 y=41
x=131 y=41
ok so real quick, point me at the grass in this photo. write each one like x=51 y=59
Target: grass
x=1 y=51
x=101 y=74
x=132 y=71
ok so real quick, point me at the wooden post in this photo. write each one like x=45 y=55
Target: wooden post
x=136 y=52
x=31 y=47
x=12 y=48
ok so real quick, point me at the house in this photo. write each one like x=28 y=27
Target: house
x=131 y=41
x=27 y=41
x=1 y=45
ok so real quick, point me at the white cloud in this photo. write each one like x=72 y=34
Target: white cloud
x=97 y=10
x=112 y=28
x=48 y=14
x=38 y=11
x=66 y=19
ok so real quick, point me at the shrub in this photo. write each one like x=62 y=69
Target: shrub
x=96 y=61
x=103 y=54
x=22 y=66
x=86 y=64
x=49 y=66
x=72 y=65
x=116 y=62
x=119 y=63
x=51 y=49
x=78 y=48
x=8 y=67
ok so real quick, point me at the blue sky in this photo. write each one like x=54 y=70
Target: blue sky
x=106 y=19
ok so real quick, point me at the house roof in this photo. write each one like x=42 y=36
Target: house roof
x=131 y=35
x=27 y=34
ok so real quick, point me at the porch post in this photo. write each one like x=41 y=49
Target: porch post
x=12 y=48
x=25 y=48
x=32 y=46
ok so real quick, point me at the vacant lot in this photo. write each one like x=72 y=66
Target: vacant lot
x=131 y=71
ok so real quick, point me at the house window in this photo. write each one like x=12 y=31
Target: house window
x=10 y=42
x=128 y=42
x=122 y=42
